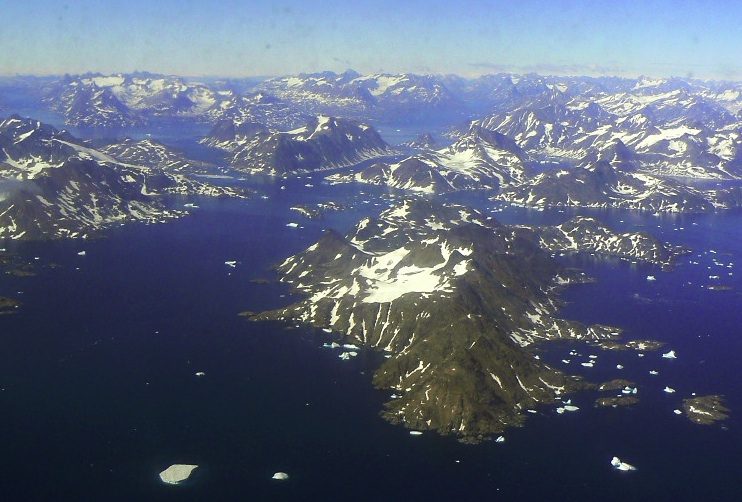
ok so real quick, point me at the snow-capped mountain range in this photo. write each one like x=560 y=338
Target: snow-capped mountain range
x=55 y=186
x=481 y=159
x=323 y=143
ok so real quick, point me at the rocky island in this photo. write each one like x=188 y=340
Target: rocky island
x=455 y=299
x=705 y=410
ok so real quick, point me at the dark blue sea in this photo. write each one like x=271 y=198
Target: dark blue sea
x=99 y=392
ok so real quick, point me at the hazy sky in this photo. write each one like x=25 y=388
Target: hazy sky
x=469 y=37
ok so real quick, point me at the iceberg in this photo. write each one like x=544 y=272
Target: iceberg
x=588 y=364
x=231 y=263
x=654 y=372
x=669 y=355
x=619 y=366
x=500 y=439
x=651 y=278
x=177 y=473
x=669 y=390
x=416 y=433
x=200 y=374
x=570 y=407
x=622 y=466
x=677 y=412
x=81 y=253
x=281 y=476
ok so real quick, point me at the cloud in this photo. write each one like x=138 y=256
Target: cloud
x=555 y=69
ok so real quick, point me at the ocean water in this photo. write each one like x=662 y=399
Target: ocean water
x=99 y=392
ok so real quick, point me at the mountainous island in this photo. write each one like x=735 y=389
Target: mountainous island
x=456 y=300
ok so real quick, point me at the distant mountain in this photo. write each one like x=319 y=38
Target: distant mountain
x=601 y=185
x=323 y=143
x=481 y=159
x=53 y=185
x=404 y=97
x=152 y=154
x=671 y=127
x=454 y=298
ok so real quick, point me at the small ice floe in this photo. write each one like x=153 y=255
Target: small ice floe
x=347 y=355
x=531 y=411
x=560 y=410
x=654 y=372
x=292 y=225
x=500 y=439
x=416 y=433
x=571 y=407
x=327 y=330
x=619 y=366
x=588 y=364
x=566 y=361
x=621 y=466
x=651 y=278
x=231 y=263
x=280 y=476
x=629 y=390
x=177 y=473
x=677 y=411
x=200 y=374
x=669 y=390
x=640 y=354
x=592 y=356
x=81 y=253
x=333 y=345
x=669 y=355
x=351 y=346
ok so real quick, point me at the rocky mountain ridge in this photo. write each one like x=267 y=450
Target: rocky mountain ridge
x=53 y=185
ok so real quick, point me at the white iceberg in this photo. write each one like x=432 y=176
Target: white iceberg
x=588 y=364
x=677 y=412
x=569 y=407
x=500 y=439
x=200 y=374
x=177 y=473
x=231 y=263
x=560 y=410
x=619 y=366
x=81 y=253
x=416 y=433
x=669 y=355
x=292 y=225
x=654 y=372
x=651 y=278
x=622 y=466
x=669 y=390
x=281 y=476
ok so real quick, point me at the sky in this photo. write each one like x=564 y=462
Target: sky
x=658 y=38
